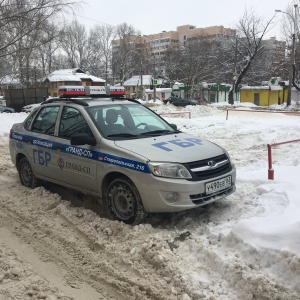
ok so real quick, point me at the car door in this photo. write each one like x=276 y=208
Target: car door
x=76 y=165
x=39 y=141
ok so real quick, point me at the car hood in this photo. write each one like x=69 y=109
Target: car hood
x=179 y=147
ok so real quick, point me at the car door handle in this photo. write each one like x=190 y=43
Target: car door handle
x=58 y=147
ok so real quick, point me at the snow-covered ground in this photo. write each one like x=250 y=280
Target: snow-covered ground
x=246 y=246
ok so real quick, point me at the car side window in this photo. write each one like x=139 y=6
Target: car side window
x=45 y=120
x=29 y=119
x=72 y=121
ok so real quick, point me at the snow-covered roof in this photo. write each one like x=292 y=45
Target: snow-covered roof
x=275 y=88
x=259 y=87
x=136 y=80
x=72 y=75
x=159 y=90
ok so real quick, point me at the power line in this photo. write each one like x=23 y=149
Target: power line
x=93 y=20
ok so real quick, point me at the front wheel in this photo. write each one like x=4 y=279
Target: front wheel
x=26 y=174
x=124 y=201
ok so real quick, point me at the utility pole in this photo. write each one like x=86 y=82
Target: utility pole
x=154 y=85
x=141 y=75
x=141 y=92
x=292 y=64
x=234 y=75
x=35 y=79
x=154 y=66
x=291 y=73
x=154 y=77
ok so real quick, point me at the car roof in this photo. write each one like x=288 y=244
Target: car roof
x=91 y=101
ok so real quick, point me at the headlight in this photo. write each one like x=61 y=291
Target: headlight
x=170 y=170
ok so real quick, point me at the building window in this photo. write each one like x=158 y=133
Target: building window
x=54 y=85
x=72 y=83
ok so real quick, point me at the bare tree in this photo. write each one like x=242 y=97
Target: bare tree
x=74 y=41
x=290 y=30
x=287 y=26
x=251 y=31
x=44 y=55
x=25 y=52
x=122 y=68
x=192 y=64
x=25 y=29
x=100 y=50
x=32 y=14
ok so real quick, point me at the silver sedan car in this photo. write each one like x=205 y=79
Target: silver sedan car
x=122 y=152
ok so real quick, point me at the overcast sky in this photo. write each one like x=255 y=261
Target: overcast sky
x=154 y=16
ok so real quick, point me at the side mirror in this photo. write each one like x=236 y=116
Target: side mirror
x=82 y=139
x=174 y=126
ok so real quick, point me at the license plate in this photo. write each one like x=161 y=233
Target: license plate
x=218 y=185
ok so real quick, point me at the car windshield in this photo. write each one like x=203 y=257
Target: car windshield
x=128 y=121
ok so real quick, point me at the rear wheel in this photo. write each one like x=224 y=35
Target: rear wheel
x=26 y=174
x=124 y=201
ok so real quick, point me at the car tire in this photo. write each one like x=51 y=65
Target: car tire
x=124 y=201
x=26 y=174
x=7 y=111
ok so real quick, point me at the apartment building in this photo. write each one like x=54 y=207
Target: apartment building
x=154 y=46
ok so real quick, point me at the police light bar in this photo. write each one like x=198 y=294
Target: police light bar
x=71 y=91
x=95 y=90
x=117 y=91
x=91 y=91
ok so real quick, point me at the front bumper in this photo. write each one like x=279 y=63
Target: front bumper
x=155 y=192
